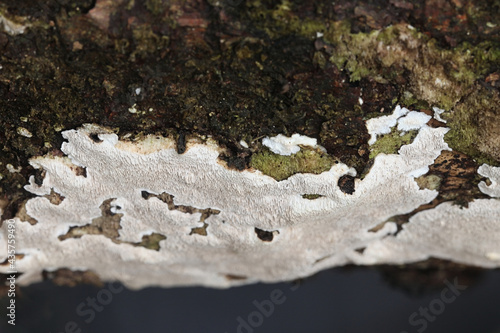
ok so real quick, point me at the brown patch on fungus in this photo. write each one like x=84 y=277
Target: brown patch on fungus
x=235 y=277
x=264 y=235
x=39 y=175
x=454 y=175
x=95 y=137
x=22 y=214
x=151 y=242
x=169 y=200
x=54 y=197
x=107 y=224
x=346 y=184
x=6 y=261
x=360 y=250
x=79 y=171
x=202 y=231
x=311 y=196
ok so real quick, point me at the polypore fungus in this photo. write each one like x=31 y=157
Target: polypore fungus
x=146 y=215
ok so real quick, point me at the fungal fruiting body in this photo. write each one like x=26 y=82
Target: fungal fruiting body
x=141 y=213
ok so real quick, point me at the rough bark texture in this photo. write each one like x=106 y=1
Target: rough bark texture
x=241 y=70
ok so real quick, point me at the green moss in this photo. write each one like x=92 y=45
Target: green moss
x=475 y=126
x=311 y=196
x=280 y=20
x=390 y=143
x=151 y=242
x=431 y=182
x=156 y=7
x=281 y=167
x=399 y=52
x=146 y=41
x=409 y=100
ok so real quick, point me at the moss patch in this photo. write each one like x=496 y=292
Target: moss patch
x=390 y=143
x=311 y=196
x=281 y=167
x=151 y=242
x=430 y=182
x=475 y=126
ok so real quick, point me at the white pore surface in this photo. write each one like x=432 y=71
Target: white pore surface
x=310 y=235
x=284 y=145
x=493 y=173
x=412 y=121
x=383 y=124
x=465 y=235
x=405 y=120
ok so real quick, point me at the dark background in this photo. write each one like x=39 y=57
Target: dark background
x=338 y=300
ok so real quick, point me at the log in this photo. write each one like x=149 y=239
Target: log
x=222 y=143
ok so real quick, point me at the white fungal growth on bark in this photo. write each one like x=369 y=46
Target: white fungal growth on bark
x=217 y=223
x=383 y=124
x=412 y=121
x=284 y=145
x=465 y=235
x=493 y=173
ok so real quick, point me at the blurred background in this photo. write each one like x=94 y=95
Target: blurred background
x=349 y=299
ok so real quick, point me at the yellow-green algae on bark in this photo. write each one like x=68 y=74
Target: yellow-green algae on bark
x=280 y=167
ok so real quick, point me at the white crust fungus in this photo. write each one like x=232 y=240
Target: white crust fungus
x=493 y=173
x=383 y=124
x=220 y=223
x=284 y=145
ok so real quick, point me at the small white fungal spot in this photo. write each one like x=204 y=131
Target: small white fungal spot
x=138 y=91
x=24 y=132
x=11 y=27
x=132 y=109
x=319 y=34
x=360 y=100
x=440 y=83
x=243 y=144
x=284 y=145
x=11 y=168
x=437 y=114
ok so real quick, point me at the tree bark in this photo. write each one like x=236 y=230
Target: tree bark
x=228 y=142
